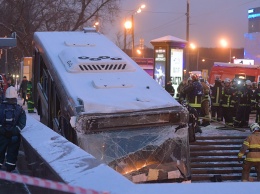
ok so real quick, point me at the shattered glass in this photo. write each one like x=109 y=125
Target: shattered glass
x=146 y=154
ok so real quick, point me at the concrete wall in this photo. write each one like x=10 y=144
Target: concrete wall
x=49 y=155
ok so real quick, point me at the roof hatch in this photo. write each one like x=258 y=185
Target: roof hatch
x=90 y=59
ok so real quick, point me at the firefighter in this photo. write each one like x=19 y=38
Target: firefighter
x=194 y=93
x=225 y=102
x=252 y=144
x=257 y=103
x=254 y=87
x=205 y=103
x=193 y=121
x=235 y=98
x=12 y=121
x=30 y=103
x=244 y=96
x=216 y=93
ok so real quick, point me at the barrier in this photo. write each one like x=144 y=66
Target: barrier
x=46 y=183
x=50 y=156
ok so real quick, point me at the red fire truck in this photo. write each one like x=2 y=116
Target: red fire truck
x=231 y=70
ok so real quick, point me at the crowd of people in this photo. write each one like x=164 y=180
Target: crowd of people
x=230 y=101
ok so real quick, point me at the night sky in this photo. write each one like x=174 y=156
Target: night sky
x=210 y=20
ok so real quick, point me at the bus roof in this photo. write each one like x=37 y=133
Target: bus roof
x=95 y=70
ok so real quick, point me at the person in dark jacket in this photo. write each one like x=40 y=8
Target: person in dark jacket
x=169 y=88
x=23 y=89
x=252 y=144
x=12 y=121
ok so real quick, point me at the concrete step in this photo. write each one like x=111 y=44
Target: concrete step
x=214 y=158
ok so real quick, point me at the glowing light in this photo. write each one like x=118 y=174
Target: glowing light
x=193 y=46
x=138 y=52
x=223 y=42
x=128 y=25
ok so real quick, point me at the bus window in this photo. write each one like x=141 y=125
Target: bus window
x=240 y=76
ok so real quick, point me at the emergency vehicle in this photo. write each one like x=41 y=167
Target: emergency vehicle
x=96 y=96
x=231 y=70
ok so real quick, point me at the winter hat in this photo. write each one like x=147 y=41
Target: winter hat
x=11 y=92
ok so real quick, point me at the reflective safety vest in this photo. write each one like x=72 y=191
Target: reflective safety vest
x=215 y=97
x=252 y=144
x=195 y=102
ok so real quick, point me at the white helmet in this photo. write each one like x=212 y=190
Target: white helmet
x=11 y=92
x=254 y=127
x=248 y=83
x=227 y=80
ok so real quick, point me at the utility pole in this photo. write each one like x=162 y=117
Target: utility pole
x=187 y=35
x=133 y=35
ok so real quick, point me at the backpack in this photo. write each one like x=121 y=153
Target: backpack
x=9 y=115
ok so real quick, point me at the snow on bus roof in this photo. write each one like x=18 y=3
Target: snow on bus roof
x=102 y=91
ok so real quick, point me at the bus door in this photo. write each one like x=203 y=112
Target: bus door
x=50 y=99
x=55 y=108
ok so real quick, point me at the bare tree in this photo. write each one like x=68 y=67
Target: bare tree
x=27 y=16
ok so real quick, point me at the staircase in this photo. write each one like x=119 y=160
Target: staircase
x=214 y=158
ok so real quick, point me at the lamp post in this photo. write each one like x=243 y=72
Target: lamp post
x=128 y=26
x=193 y=46
x=224 y=44
x=139 y=10
x=187 y=34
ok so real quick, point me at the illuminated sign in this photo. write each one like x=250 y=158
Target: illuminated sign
x=176 y=70
x=251 y=11
x=160 y=63
x=244 y=61
x=254 y=15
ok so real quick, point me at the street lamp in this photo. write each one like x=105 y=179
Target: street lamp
x=128 y=26
x=96 y=26
x=193 y=46
x=140 y=52
x=224 y=44
x=138 y=10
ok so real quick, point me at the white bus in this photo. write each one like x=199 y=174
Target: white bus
x=91 y=92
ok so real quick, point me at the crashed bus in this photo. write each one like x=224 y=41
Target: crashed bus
x=88 y=90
